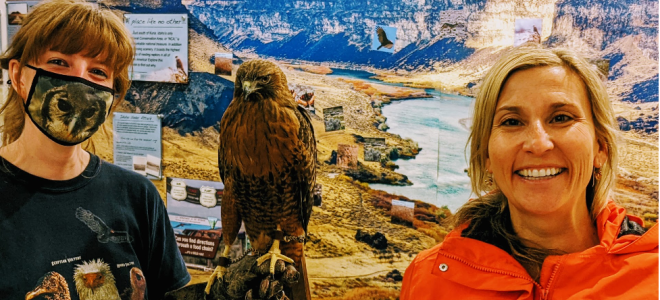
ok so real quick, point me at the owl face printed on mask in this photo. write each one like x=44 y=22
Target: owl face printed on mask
x=67 y=109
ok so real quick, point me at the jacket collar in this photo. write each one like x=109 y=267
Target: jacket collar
x=463 y=256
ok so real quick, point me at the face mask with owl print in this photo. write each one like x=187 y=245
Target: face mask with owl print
x=67 y=109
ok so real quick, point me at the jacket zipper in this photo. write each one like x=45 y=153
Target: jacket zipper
x=544 y=291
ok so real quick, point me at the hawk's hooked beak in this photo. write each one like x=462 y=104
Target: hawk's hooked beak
x=249 y=88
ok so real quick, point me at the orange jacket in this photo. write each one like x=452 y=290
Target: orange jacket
x=465 y=268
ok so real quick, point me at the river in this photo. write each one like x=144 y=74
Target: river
x=438 y=177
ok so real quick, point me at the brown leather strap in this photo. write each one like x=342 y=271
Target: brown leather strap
x=278 y=235
x=224 y=261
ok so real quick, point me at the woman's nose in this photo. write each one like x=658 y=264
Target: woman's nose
x=538 y=139
x=80 y=70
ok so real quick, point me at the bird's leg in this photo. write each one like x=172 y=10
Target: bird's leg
x=220 y=270
x=273 y=254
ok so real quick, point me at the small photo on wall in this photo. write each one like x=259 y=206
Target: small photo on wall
x=303 y=95
x=16 y=13
x=527 y=30
x=383 y=38
x=140 y=165
x=347 y=156
x=402 y=212
x=374 y=149
x=223 y=63
x=334 y=118
x=153 y=165
x=603 y=67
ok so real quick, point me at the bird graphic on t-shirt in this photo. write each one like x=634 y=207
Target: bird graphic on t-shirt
x=382 y=38
x=94 y=281
x=51 y=286
x=138 y=286
x=104 y=233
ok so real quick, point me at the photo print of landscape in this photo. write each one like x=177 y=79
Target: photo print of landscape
x=417 y=96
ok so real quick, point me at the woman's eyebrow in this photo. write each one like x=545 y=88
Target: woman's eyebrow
x=509 y=108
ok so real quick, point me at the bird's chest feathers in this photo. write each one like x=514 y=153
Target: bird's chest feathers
x=263 y=138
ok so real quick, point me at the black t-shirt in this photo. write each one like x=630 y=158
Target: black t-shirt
x=102 y=235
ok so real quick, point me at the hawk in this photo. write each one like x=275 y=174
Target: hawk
x=382 y=39
x=267 y=162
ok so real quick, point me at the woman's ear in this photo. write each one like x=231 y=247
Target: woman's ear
x=601 y=154
x=15 y=76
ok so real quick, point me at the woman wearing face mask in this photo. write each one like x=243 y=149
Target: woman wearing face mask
x=74 y=226
x=543 y=158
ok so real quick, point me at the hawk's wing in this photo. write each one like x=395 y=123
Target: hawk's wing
x=229 y=215
x=307 y=171
x=382 y=37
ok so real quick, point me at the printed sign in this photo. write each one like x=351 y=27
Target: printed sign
x=193 y=207
x=161 y=42
x=137 y=143
x=197 y=246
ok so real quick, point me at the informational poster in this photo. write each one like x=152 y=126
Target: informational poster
x=16 y=11
x=137 y=143
x=161 y=44
x=194 y=210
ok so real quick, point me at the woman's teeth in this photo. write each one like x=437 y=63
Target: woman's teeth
x=538 y=173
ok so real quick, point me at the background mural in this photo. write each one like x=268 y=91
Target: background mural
x=418 y=98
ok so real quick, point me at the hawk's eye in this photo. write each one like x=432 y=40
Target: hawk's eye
x=64 y=105
x=264 y=78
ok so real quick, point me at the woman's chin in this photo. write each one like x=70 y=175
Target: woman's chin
x=539 y=196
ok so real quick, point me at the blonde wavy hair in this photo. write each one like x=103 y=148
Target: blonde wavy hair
x=491 y=206
x=70 y=27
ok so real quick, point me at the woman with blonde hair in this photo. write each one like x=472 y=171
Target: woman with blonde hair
x=74 y=226
x=543 y=158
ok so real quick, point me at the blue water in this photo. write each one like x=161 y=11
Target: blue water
x=431 y=122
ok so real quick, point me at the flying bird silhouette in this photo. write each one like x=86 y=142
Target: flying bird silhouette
x=104 y=233
x=382 y=38
x=267 y=162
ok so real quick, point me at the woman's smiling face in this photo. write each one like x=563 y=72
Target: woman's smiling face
x=543 y=146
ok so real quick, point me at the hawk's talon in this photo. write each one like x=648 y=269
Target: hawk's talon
x=220 y=270
x=218 y=273
x=273 y=256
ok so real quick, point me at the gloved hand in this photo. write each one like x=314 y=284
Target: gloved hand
x=244 y=280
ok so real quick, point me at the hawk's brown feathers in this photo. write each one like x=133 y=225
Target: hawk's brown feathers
x=267 y=161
